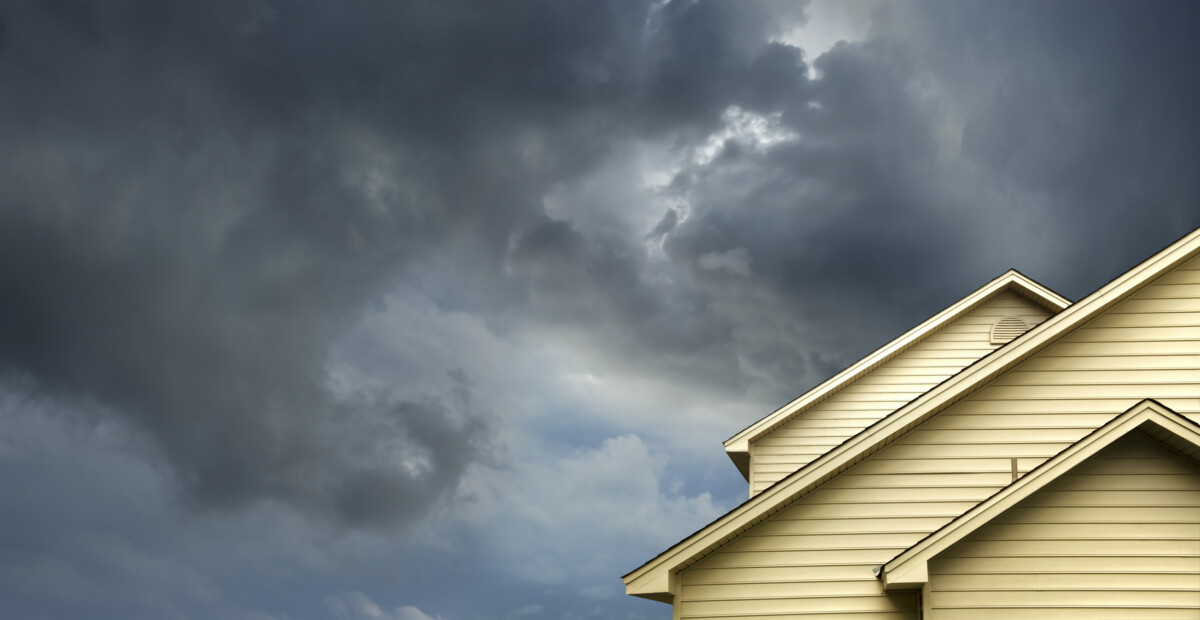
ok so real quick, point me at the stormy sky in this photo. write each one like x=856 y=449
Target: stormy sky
x=442 y=310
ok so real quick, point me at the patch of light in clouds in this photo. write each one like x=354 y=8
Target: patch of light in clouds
x=830 y=21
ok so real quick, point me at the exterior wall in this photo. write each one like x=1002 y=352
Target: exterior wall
x=884 y=390
x=1117 y=537
x=1146 y=347
x=818 y=553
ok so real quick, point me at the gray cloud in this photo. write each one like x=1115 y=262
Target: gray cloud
x=202 y=200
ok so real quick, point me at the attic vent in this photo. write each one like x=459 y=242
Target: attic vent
x=1008 y=328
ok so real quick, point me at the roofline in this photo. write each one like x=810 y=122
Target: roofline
x=641 y=581
x=910 y=569
x=738 y=446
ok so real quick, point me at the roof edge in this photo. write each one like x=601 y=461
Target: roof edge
x=910 y=568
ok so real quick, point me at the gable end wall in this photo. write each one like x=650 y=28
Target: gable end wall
x=887 y=388
x=1117 y=537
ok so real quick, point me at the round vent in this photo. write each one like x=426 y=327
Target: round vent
x=1008 y=328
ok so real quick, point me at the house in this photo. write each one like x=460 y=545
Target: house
x=1016 y=455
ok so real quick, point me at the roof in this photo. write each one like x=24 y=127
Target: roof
x=910 y=569
x=654 y=579
x=738 y=446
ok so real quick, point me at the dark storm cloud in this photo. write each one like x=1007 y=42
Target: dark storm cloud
x=1079 y=145
x=197 y=200
x=833 y=223
x=1090 y=104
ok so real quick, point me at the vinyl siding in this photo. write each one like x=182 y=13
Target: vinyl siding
x=1117 y=537
x=939 y=470
x=885 y=389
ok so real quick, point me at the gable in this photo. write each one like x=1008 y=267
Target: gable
x=888 y=387
x=738 y=446
x=910 y=568
x=1118 y=536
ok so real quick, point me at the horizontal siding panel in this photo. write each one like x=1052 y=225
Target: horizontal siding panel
x=959 y=356
x=829 y=422
x=1139 y=465
x=1170 y=291
x=1068 y=581
x=901 y=494
x=1100 y=377
x=806 y=510
x=1014 y=450
x=1180 y=276
x=1145 y=319
x=1111 y=613
x=976 y=335
x=698 y=609
x=1115 y=498
x=1154 y=305
x=1064 y=565
x=922 y=364
x=838 y=557
x=1110 y=406
x=1149 y=347
x=929 y=371
x=829 y=615
x=783 y=527
x=1150 y=481
x=784 y=589
x=994 y=435
x=1112 y=390
x=808 y=431
x=797 y=446
x=942 y=479
x=767 y=574
x=841 y=410
x=1093 y=531
x=905 y=381
x=766 y=459
x=900 y=467
x=1134 y=334
x=973 y=348
x=1111 y=362
x=888 y=394
x=1103 y=514
x=1026 y=422
x=1079 y=548
x=1084 y=599
x=751 y=541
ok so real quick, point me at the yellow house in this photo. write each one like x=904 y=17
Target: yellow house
x=1015 y=456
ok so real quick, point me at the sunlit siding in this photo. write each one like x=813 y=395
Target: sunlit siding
x=1145 y=347
x=1117 y=537
x=884 y=390
x=832 y=538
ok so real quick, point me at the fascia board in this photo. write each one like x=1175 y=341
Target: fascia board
x=910 y=569
x=897 y=423
x=1010 y=280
